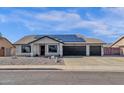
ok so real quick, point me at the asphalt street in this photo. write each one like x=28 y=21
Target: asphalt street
x=54 y=77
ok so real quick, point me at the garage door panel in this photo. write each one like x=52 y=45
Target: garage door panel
x=74 y=50
x=95 y=50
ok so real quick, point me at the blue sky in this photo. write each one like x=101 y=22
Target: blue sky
x=106 y=24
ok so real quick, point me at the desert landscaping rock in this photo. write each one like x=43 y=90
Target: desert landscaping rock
x=30 y=61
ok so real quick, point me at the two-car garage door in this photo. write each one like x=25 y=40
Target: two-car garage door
x=81 y=50
x=74 y=50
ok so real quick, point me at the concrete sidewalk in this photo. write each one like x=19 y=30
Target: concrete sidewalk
x=64 y=68
x=95 y=68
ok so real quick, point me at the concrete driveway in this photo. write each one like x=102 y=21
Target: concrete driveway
x=94 y=61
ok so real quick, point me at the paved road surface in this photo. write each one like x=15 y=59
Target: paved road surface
x=40 y=77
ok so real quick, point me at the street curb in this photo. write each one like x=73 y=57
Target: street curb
x=30 y=69
x=65 y=68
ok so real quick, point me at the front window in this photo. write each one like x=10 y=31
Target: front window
x=52 y=48
x=26 y=49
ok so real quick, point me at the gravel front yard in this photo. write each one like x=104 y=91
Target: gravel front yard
x=30 y=61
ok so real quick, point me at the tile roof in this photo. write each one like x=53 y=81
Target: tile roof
x=26 y=39
x=93 y=40
x=62 y=38
x=5 y=43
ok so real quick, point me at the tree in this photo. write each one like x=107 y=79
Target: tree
x=0 y=34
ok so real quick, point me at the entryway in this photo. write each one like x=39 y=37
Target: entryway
x=42 y=50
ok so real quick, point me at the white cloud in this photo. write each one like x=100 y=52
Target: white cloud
x=111 y=24
x=59 y=16
x=60 y=20
x=55 y=21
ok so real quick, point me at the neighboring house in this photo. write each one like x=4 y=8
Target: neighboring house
x=108 y=50
x=119 y=44
x=6 y=47
x=59 y=45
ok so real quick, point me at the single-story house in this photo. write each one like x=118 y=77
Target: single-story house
x=59 y=45
x=108 y=50
x=119 y=44
x=6 y=47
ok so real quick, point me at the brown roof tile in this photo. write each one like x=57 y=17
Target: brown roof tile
x=5 y=43
x=93 y=40
x=26 y=40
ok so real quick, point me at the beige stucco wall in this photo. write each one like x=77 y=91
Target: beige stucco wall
x=7 y=51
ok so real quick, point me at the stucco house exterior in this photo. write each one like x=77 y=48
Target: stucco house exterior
x=119 y=44
x=59 y=45
x=6 y=47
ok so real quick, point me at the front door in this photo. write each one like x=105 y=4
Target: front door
x=42 y=50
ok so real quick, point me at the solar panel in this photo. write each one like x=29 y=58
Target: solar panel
x=64 y=38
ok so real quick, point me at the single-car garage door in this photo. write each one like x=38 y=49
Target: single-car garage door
x=95 y=50
x=74 y=50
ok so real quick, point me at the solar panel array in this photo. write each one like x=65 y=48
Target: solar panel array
x=63 y=38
